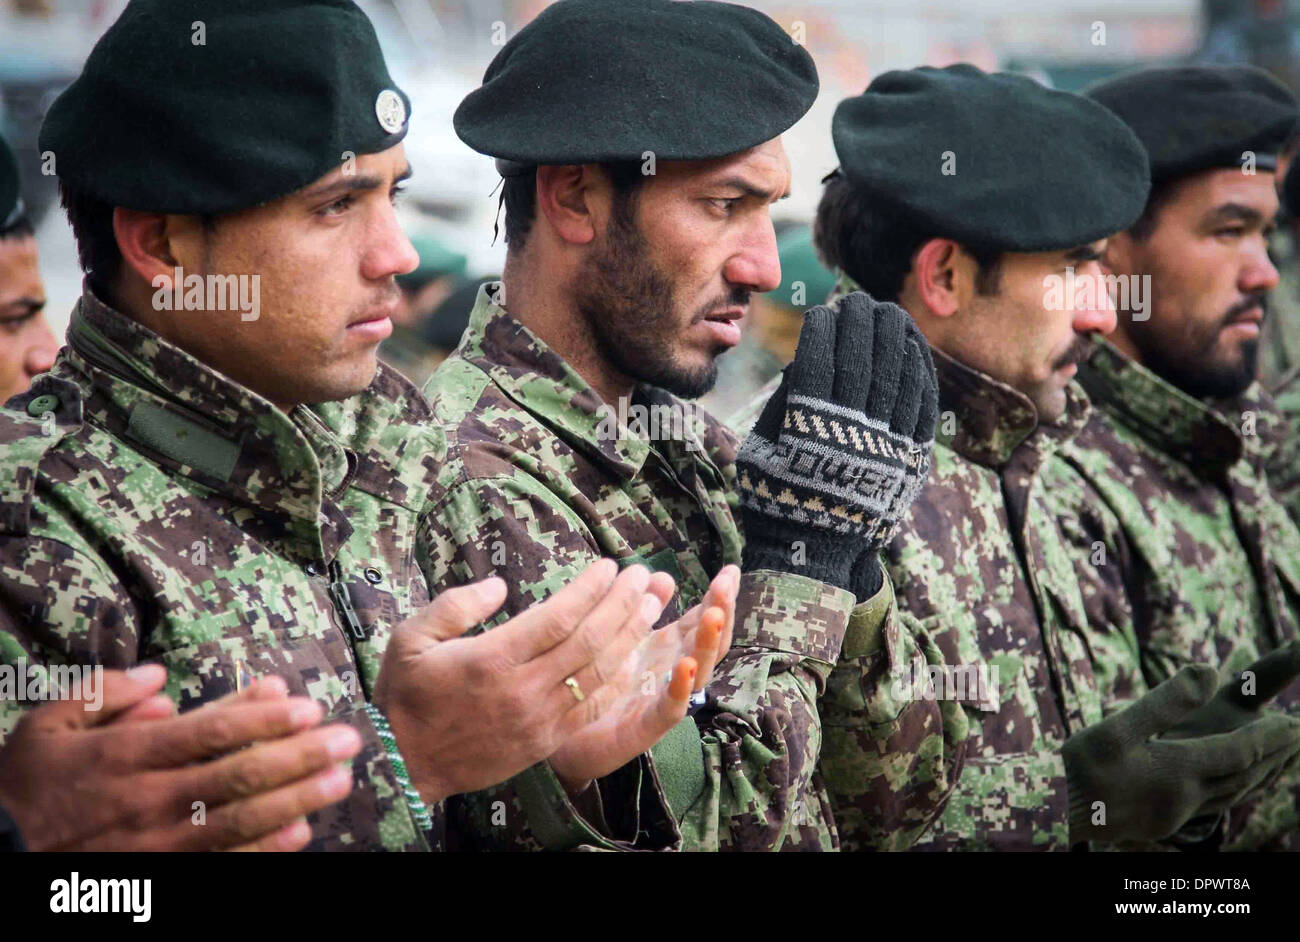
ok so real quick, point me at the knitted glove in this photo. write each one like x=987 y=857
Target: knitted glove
x=842 y=447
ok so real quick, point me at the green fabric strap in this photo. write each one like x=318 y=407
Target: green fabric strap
x=183 y=440
x=679 y=762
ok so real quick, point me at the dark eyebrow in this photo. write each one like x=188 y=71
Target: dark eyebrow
x=33 y=305
x=351 y=183
x=1233 y=212
x=1084 y=253
x=750 y=190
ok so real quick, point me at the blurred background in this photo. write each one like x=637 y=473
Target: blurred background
x=438 y=49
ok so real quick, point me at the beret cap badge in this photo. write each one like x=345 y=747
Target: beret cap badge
x=390 y=110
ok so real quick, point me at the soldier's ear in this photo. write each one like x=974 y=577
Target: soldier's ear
x=940 y=278
x=564 y=198
x=145 y=243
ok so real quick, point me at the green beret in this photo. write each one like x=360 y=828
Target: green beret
x=603 y=80
x=11 y=204
x=800 y=264
x=1193 y=118
x=992 y=160
x=190 y=106
x=436 y=260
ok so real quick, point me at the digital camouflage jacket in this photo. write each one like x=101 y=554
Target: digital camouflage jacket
x=541 y=479
x=154 y=510
x=1200 y=557
x=981 y=562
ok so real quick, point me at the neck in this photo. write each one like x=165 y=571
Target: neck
x=542 y=303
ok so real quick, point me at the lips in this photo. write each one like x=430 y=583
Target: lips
x=724 y=325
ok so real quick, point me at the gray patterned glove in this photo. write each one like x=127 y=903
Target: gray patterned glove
x=842 y=447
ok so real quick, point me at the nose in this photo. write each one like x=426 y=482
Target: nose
x=1258 y=274
x=756 y=264
x=391 y=252
x=40 y=356
x=1100 y=317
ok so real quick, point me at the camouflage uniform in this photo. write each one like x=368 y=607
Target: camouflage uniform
x=980 y=562
x=540 y=481
x=1200 y=557
x=1279 y=342
x=1279 y=440
x=160 y=512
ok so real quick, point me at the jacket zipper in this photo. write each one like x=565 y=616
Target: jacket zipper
x=342 y=599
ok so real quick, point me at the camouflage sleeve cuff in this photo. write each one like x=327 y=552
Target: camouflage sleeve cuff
x=558 y=825
x=419 y=811
x=792 y=614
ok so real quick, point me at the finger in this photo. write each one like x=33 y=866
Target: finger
x=854 y=333
x=1269 y=676
x=1252 y=746
x=618 y=612
x=547 y=624
x=457 y=610
x=928 y=415
x=908 y=405
x=722 y=594
x=811 y=373
x=609 y=665
x=254 y=818
x=157 y=707
x=888 y=352
x=772 y=417
x=288 y=839
x=1163 y=707
x=269 y=765
x=663 y=587
x=118 y=691
x=204 y=733
x=706 y=649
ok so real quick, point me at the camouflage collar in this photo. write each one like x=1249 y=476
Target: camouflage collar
x=203 y=425
x=542 y=382
x=1165 y=416
x=988 y=419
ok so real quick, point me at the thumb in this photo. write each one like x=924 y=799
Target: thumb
x=117 y=691
x=1269 y=676
x=1162 y=708
x=457 y=610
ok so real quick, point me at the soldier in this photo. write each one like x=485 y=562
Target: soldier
x=27 y=344
x=948 y=201
x=1201 y=558
x=216 y=476
x=636 y=234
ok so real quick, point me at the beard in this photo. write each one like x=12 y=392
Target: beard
x=628 y=306
x=1191 y=366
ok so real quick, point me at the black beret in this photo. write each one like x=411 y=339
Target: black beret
x=1029 y=169
x=10 y=203
x=1192 y=118
x=268 y=102
x=599 y=80
x=1291 y=189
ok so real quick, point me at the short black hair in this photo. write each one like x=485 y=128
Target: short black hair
x=519 y=196
x=92 y=228
x=874 y=244
x=1162 y=191
x=20 y=228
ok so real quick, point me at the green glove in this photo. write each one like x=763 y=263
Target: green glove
x=1242 y=700
x=1126 y=783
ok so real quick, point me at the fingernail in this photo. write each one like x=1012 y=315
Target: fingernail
x=336 y=783
x=651 y=608
x=296 y=834
x=146 y=672
x=490 y=588
x=343 y=743
x=303 y=714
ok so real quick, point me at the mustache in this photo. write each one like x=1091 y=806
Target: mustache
x=1249 y=303
x=1079 y=350
x=737 y=297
